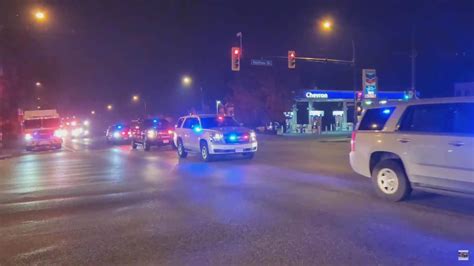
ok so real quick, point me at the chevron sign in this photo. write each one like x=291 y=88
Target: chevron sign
x=369 y=83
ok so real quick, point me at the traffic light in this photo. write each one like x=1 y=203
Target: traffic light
x=235 y=59
x=291 y=59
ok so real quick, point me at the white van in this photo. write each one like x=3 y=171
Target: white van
x=424 y=144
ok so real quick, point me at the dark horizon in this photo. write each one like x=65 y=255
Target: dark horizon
x=107 y=51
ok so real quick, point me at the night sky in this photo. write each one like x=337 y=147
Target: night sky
x=108 y=50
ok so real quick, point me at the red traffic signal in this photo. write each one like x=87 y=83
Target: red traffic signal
x=235 y=56
x=291 y=59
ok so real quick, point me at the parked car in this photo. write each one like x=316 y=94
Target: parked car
x=212 y=135
x=152 y=132
x=423 y=144
x=118 y=134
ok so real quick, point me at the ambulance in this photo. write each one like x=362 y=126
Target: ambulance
x=41 y=130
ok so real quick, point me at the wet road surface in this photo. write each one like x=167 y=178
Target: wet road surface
x=297 y=202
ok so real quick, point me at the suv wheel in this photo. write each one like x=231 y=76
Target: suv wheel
x=205 y=156
x=181 y=152
x=390 y=180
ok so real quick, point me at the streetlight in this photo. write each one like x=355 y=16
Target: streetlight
x=93 y=112
x=39 y=15
x=109 y=107
x=38 y=84
x=327 y=25
x=187 y=80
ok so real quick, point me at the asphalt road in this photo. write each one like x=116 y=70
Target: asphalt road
x=296 y=203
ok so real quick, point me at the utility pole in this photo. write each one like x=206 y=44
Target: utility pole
x=354 y=83
x=413 y=55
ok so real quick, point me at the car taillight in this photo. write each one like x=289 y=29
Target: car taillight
x=353 y=140
x=170 y=132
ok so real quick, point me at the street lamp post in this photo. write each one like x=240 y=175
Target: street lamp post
x=217 y=106
x=39 y=16
x=327 y=25
x=136 y=99
x=187 y=81
x=354 y=83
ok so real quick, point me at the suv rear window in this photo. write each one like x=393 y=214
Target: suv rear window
x=156 y=123
x=375 y=119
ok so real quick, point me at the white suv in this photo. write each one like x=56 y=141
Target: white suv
x=425 y=144
x=212 y=135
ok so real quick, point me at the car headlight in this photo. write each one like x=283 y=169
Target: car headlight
x=253 y=136
x=58 y=133
x=151 y=133
x=77 y=132
x=217 y=137
x=116 y=134
x=28 y=137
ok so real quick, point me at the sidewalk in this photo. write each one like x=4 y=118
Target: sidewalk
x=10 y=149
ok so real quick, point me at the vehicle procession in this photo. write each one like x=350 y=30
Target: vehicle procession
x=387 y=145
x=242 y=132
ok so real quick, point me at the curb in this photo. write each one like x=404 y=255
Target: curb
x=334 y=140
x=5 y=156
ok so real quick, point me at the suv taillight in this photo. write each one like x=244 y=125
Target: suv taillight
x=353 y=141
